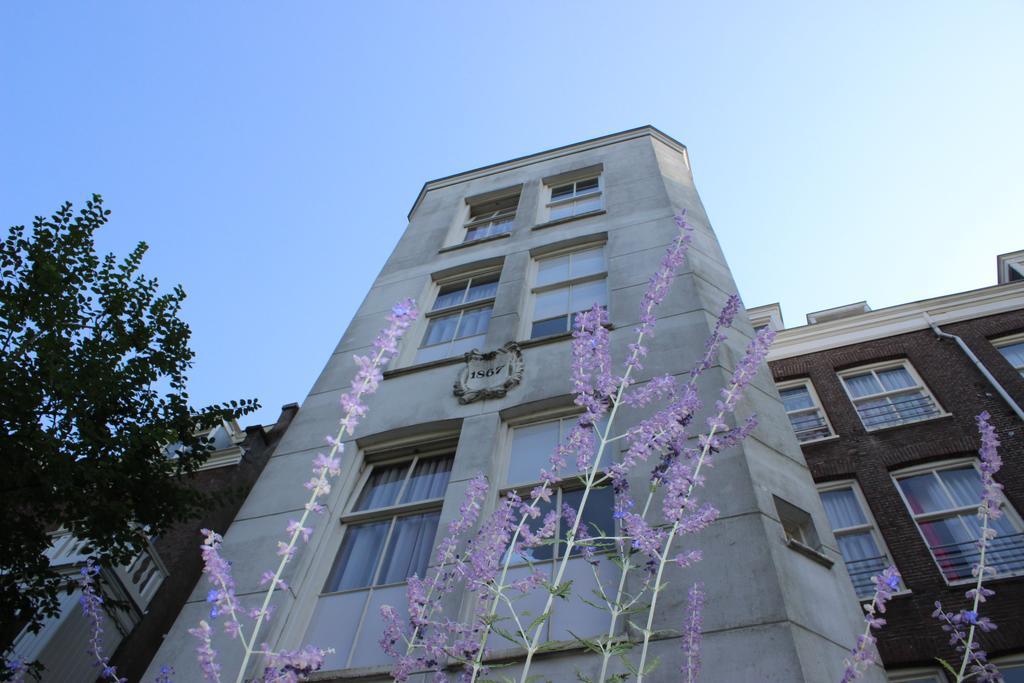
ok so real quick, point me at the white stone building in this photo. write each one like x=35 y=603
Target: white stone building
x=506 y=253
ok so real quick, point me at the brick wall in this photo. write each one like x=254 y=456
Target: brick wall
x=912 y=636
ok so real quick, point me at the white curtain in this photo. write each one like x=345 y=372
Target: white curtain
x=357 y=558
x=924 y=493
x=383 y=487
x=862 y=385
x=964 y=484
x=857 y=546
x=429 y=480
x=408 y=553
x=842 y=508
x=896 y=378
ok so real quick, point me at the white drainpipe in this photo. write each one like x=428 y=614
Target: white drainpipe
x=981 y=368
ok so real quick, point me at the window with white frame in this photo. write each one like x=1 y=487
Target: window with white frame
x=576 y=197
x=915 y=676
x=492 y=217
x=458 y=320
x=1012 y=668
x=389 y=535
x=804 y=410
x=860 y=543
x=889 y=394
x=567 y=283
x=1012 y=349
x=531 y=447
x=943 y=499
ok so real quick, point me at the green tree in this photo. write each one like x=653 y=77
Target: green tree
x=92 y=390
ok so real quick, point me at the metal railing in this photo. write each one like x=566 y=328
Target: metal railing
x=810 y=426
x=897 y=410
x=861 y=571
x=1005 y=554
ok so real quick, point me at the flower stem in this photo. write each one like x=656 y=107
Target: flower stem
x=663 y=560
x=968 y=652
x=286 y=555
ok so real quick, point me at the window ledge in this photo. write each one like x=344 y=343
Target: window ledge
x=898 y=594
x=940 y=416
x=810 y=552
x=567 y=219
x=441 y=362
x=814 y=442
x=463 y=245
x=552 y=338
x=988 y=579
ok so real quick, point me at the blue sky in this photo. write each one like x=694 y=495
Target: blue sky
x=269 y=152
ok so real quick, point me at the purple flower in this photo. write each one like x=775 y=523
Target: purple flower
x=692 y=626
x=205 y=653
x=92 y=607
x=863 y=653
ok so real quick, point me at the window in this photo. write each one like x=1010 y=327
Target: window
x=458 y=320
x=532 y=445
x=857 y=535
x=567 y=284
x=804 y=411
x=575 y=197
x=889 y=394
x=1012 y=668
x=915 y=676
x=1012 y=349
x=490 y=218
x=797 y=524
x=943 y=500
x=389 y=535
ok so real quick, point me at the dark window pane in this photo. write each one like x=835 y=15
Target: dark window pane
x=543 y=328
x=429 y=480
x=561 y=191
x=586 y=185
x=597 y=517
x=383 y=487
x=357 y=557
x=544 y=551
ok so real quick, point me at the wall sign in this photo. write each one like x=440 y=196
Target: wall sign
x=489 y=375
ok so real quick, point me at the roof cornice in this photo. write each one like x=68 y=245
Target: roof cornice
x=565 y=150
x=888 y=322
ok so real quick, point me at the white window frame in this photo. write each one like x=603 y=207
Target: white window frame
x=1009 y=512
x=874 y=368
x=816 y=407
x=460 y=308
x=1015 y=660
x=567 y=484
x=351 y=517
x=575 y=197
x=871 y=525
x=528 y=321
x=473 y=222
x=1010 y=341
x=914 y=675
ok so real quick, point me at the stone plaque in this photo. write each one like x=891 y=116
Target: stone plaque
x=489 y=375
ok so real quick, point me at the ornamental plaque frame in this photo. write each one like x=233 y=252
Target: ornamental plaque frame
x=505 y=362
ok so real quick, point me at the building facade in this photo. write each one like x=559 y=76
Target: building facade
x=500 y=258
x=155 y=585
x=883 y=403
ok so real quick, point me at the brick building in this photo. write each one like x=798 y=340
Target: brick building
x=155 y=586
x=883 y=403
